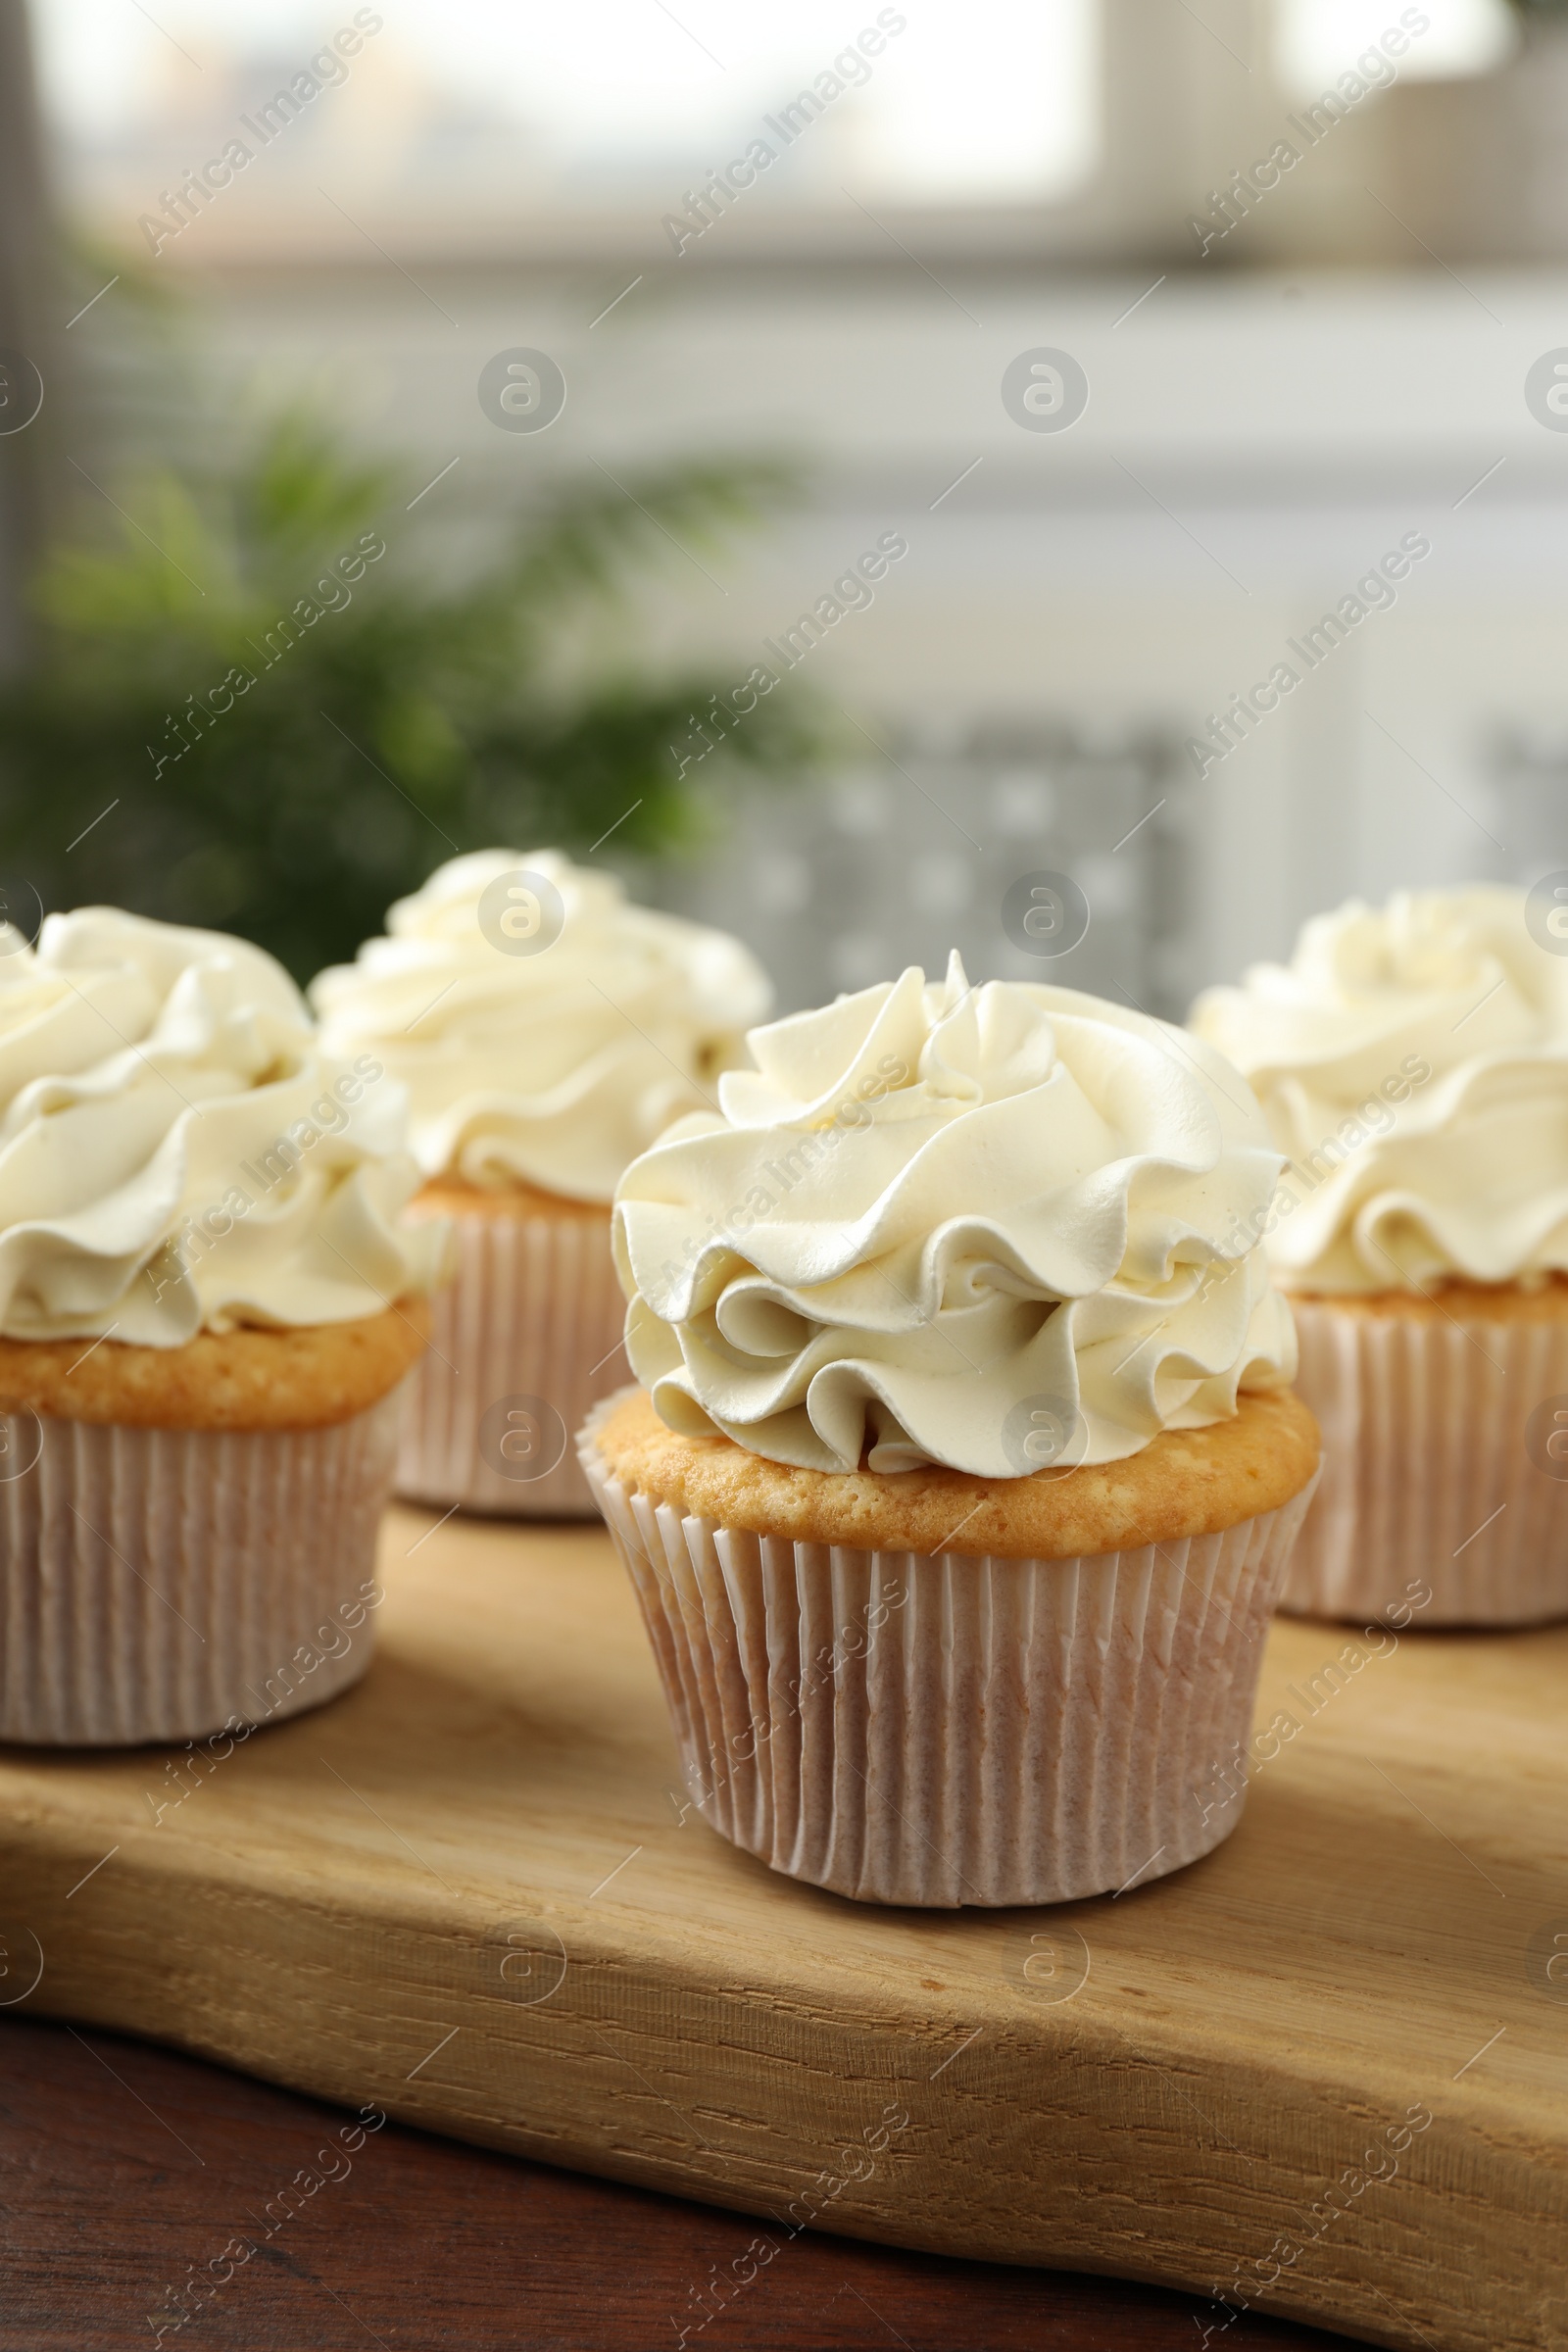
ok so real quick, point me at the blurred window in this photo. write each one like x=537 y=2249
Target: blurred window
x=492 y=121
x=1318 y=39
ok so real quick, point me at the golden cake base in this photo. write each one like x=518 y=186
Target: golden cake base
x=309 y=1376
x=1188 y=1482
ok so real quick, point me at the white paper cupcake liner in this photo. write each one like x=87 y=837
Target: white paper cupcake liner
x=942 y=1730
x=526 y=1339
x=1429 y=1481
x=156 y=1584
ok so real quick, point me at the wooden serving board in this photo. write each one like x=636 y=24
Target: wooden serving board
x=471 y=1893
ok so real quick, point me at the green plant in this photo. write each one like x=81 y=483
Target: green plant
x=295 y=722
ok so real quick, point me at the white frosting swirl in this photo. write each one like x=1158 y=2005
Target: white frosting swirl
x=949 y=1220
x=176 y=1153
x=554 y=1067
x=1412 y=1061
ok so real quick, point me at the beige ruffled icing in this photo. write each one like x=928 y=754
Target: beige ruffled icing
x=554 y=1067
x=176 y=1152
x=1412 y=1062
x=988 y=1227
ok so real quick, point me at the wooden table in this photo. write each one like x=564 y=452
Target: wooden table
x=121 y=2165
x=470 y=1895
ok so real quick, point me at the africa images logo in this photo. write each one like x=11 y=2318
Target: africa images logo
x=849 y=69
x=327 y=70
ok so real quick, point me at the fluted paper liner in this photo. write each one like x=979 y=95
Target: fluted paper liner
x=155 y=1583
x=1427 y=1483
x=534 y=1310
x=941 y=1730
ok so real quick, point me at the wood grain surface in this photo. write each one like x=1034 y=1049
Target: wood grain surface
x=469 y=1894
x=124 y=2170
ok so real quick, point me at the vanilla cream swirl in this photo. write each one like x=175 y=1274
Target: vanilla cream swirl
x=937 y=1221
x=1412 y=1062
x=555 y=1068
x=177 y=1153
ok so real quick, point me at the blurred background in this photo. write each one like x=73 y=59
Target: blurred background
x=424 y=426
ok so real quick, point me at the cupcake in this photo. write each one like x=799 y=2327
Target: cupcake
x=547 y=1032
x=207 y=1305
x=1412 y=1063
x=964 y=1466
